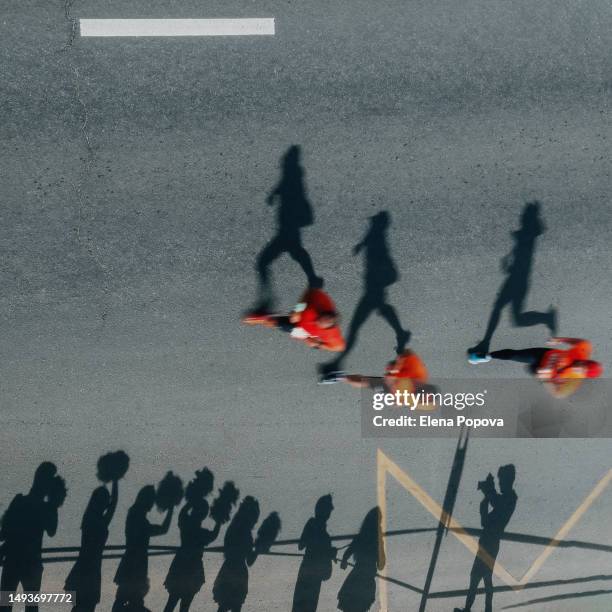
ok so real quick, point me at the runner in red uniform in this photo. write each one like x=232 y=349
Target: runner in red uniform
x=561 y=369
x=314 y=321
x=407 y=372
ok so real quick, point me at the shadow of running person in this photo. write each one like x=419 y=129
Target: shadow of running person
x=294 y=213
x=132 y=576
x=517 y=265
x=186 y=574
x=380 y=273
x=493 y=523
x=85 y=577
x=24 y=525
x=358 y=592
x=316 y=566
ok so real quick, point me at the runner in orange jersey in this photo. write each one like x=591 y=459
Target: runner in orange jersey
x=314 y=321
x=562 y=370
x=407 y=372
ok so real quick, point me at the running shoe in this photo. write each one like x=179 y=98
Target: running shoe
x=476 y=358
x=329 y=378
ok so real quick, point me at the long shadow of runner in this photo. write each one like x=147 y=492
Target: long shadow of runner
x=517 y=265
x=294 y=213
x=380 y=273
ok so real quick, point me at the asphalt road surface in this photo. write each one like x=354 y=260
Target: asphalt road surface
x=133 y=207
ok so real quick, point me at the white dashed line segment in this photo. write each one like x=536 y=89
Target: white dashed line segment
x=176 y=27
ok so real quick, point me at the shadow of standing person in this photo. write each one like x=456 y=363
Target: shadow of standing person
x=24 y=524
x=380 y=273
x=493 y=525
x=517 y=265
x=132 y=578
x=85 y=577
x=358 y=592
x=294 y=213
x=232 y=583
x=316 y=565
x=186 y=574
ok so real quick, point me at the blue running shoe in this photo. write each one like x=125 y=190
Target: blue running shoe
x=476 y=358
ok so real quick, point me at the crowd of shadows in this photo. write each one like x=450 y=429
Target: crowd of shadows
x=33 y=515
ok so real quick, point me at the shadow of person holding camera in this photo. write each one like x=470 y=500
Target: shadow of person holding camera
x=496 y=509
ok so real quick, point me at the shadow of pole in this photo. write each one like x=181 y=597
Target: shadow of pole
x=447 y=510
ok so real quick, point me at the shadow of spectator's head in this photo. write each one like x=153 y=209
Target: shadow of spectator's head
x=292 y=157
x=531 y=219
x=506 y=475
x=324 y=507
x=248 y=512
x=145 y=498
x=381 y=220
x=43 y=477
x=200 y=509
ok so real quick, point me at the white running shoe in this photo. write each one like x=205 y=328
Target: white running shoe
x=330 y=378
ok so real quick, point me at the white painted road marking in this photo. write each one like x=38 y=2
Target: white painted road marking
x=177 y=27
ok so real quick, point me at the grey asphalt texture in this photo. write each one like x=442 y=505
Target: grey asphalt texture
x=134 y=178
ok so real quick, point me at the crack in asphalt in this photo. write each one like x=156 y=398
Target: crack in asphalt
x=85 y=240
x=73 y=23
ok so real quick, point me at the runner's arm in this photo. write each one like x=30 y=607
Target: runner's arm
x=335 y=345
x=563 y=340
x=357 y=380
